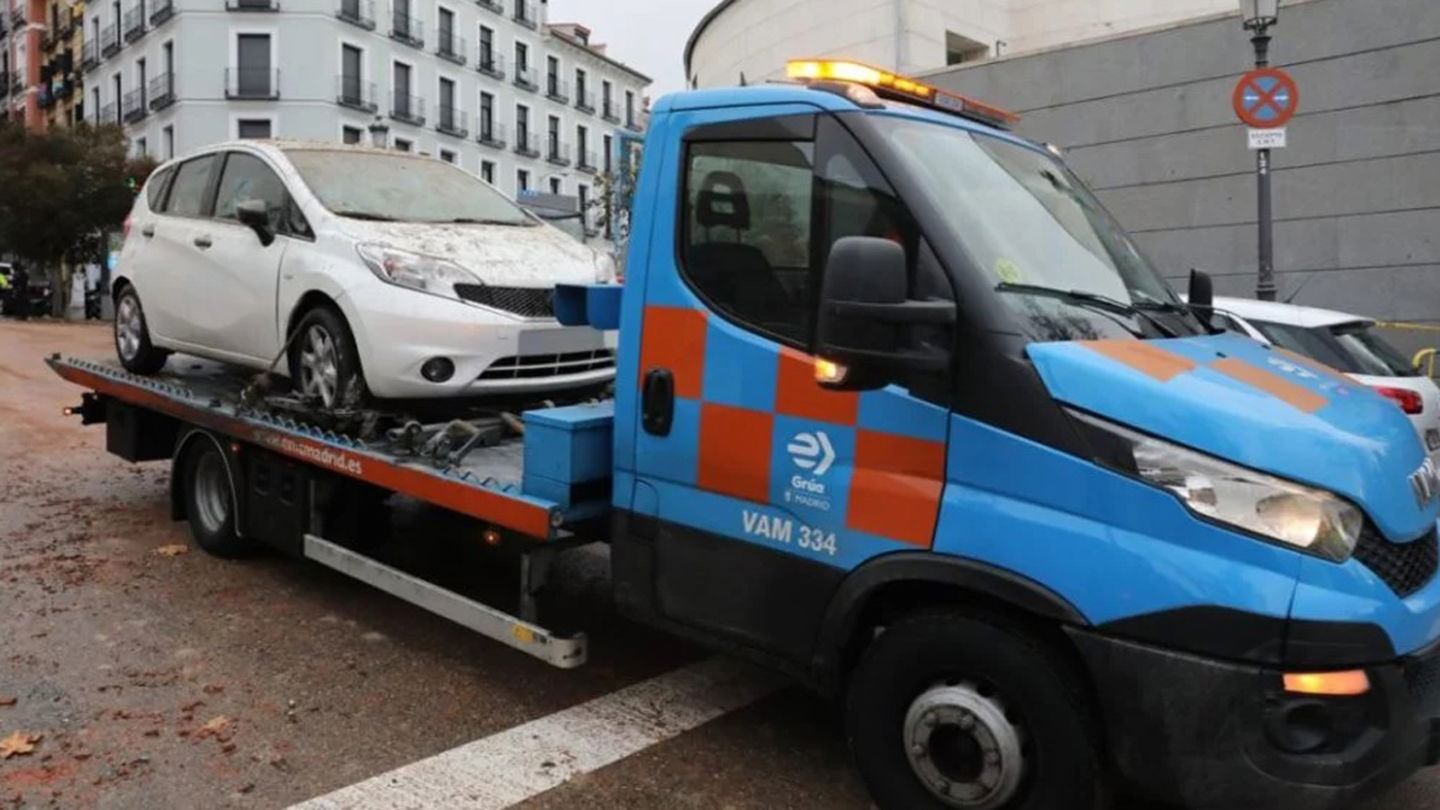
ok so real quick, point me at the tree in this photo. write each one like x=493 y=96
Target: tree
x=60 y=191
x=615 y=195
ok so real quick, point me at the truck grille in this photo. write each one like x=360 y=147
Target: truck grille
x=527 y=302
x=1405 y=567
x=549 y=365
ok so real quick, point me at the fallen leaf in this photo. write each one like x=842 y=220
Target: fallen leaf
x=213 y=689
x=7 y=701
x=18 y=743
x=215 y=728
x=172 y=550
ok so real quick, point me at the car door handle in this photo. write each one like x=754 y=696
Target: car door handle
x=203 y=242
x=657 y=406
x=147 y=231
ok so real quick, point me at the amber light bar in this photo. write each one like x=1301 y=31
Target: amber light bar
x=840 y=70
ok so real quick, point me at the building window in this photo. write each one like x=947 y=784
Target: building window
x=352 y=135
x=487 y=171
x=449 y=44
x=252 y=76
x=487 y=116
x=167 y=136
x=629 y=108
x=609 y=147
x=522 y=58
x=581 y=97
x=451 y=119
x=959 y=49
x=553 y=137
x=141 y=149
x=552 y=76
x=522 y=126
x=352 y=90
x=447 y=156
x=582 y=192
x=253 y=128
x=487 y=49
x=554 y=185
x=582 y=146
x=403 y=145
x=522 y=180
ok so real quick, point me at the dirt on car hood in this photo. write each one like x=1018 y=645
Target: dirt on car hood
x=502 y=255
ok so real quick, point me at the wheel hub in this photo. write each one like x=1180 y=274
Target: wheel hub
x=320 y=366
x=963 y=748
x=128 y=328
x=212 y=492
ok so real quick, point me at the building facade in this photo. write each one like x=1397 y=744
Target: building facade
x=1146 y=120
x=750 y=40
x=487 y=85
x=60 y=91
x=20 y=58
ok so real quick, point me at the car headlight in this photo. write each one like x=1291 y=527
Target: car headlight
x=1316 y=521
x=416 y=271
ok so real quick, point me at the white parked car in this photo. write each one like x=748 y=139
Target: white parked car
x=400 y=275
x=1345 y=342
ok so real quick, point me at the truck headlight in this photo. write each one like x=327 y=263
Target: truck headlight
x=1316 y=521
x=416 y=271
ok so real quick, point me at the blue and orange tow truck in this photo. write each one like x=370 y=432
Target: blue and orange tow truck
x=901 y=411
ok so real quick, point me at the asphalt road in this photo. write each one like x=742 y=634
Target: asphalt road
x=157 y=680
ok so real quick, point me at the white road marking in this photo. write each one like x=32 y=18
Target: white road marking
x=511 y=766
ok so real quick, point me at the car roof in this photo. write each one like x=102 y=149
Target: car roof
x=274 y=147
x=1290 y=314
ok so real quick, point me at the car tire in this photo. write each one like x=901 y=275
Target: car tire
x=209 y=493
x=132 y=336
x=324 y=364
x=955 y=708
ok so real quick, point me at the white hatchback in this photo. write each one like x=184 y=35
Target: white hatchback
x=362 y=271
x=1345 y=342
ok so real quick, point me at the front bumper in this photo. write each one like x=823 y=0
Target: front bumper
x=1215 y=735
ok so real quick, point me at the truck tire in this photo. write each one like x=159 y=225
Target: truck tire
x=132 y=336
x=958 y=709
x=324 y=363
x=209 y=494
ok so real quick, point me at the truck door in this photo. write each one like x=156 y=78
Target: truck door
x=764 y=487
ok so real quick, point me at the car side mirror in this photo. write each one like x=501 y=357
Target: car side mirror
x=256 y=214
x=1201 y=296
x=865 y=319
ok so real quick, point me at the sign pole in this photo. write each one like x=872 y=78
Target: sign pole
x=1265 y=280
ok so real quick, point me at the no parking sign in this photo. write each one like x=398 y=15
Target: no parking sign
x=1266 y=98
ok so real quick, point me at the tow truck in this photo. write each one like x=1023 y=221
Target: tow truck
x=902 y=412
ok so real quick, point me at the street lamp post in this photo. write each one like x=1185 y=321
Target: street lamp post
x=1258 y=16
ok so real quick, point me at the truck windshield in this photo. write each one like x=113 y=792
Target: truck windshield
x=401 y=188
x=1046 y=242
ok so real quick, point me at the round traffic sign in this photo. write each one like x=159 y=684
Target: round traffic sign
x=1266 y=98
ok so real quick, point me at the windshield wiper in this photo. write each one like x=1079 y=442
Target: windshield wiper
x=1095 y=300
x=474 y=221
x=365 y=215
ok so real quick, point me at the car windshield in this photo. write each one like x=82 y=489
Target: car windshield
x=1030 y=223
x=401 y=188
x=1370 y=351
x=1353 y=348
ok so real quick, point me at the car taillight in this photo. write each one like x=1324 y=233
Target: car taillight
x=125 y=228
x=1409 y=401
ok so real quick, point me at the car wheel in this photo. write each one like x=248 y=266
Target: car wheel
x=324 y=365
x=210 y=500
x=956 y=709
x=132 y=336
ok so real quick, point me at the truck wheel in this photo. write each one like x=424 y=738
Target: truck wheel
x=949 y=709
x=210 y=501
x=324 y=363
x=132 y=336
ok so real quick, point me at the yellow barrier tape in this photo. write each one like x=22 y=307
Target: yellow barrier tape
x=1425 y=358
x=1417 y=327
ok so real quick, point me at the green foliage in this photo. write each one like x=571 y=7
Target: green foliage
x=60 y=190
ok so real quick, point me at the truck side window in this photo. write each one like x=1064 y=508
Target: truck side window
x=747 y=228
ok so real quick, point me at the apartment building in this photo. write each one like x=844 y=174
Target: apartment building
x=59 y=91
x=486 y=84
x=20 y=57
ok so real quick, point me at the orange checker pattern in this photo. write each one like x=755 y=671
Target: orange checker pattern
x=735 y=452
x=1162 y=364
x=895 y=489
x=1297 y=396
x=674 y=338
x=797 y=394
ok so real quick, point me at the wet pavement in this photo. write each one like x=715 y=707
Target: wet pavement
x=148 y=675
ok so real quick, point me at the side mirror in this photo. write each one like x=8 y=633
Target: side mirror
x=1202 y=296
x=865 y=317
x=255 y=214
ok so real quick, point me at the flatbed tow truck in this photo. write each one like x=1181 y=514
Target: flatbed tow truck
x=900 y=411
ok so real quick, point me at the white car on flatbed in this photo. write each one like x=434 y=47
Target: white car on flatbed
x=392 y=274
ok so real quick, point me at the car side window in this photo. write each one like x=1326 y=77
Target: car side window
x=246 y=177
x=155 y=190
x=189 y=190
x=746 y=243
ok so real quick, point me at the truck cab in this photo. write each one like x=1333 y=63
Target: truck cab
x=902 y=410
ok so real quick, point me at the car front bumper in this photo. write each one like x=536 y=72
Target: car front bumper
x=1217 y=735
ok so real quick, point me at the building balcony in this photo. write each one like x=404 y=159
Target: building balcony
x=525 y=79
x=493 y=5
x=557 y=153
x=557 y=90
x=634 y=126
x=585 y=100
x=109 y=114
x=407 y=29
x=527 y=14
x=608 y=113
x=133 y=108
x=351 y=92
x=525 y=145
x=451 y=121
x=252 y=84
x=491 y=64
x=134 y=23
x=451 y=48
x=407 y=108
x=162 y=91
x=585 y=162
x=90 y=55
x=252 y=5
x=160 y=11
x=357 y=12
x=109 y=41
x=491 y=135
